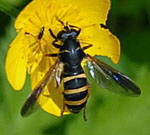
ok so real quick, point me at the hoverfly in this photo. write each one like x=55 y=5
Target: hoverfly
x=73 y=76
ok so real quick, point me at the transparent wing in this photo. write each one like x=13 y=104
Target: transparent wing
x=110 y=78
x=30 y=104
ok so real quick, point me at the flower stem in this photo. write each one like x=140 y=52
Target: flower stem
x=8 y=9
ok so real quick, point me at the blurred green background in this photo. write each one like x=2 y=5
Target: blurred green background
x=107 y=113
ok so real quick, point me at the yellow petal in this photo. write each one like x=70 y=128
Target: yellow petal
x=96 y=10
x=103 y=41
x=16 y=62
x=73 y=11
x=24 y=15
x=38 y=74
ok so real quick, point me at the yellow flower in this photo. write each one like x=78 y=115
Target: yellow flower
x=27 y=52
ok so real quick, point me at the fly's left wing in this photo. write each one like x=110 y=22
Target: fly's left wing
x=110 y=78
x=30 y=103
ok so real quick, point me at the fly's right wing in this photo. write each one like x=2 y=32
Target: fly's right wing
x=109 y=78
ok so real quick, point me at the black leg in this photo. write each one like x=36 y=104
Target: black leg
x=72 y=26
x=54 y=42
x=78 y=32
x=86 y=47
x=52 y=55
x=52 y=34
x=84 y=114
x=79 y=29
x=56 y=45
x=40 y=35
x=37 y=38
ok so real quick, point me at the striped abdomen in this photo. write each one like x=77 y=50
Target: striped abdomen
x=75 y=90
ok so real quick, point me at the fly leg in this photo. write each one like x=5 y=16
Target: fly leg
x=86 y=47
x=79 y=29
x=38 y=37
x=55 y=37
x=84 y=114
x=63 y=107
x=52 y=55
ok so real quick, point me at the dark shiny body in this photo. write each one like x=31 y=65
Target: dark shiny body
x=71 y=54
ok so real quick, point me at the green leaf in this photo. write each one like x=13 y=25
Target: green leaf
x=8 y=9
